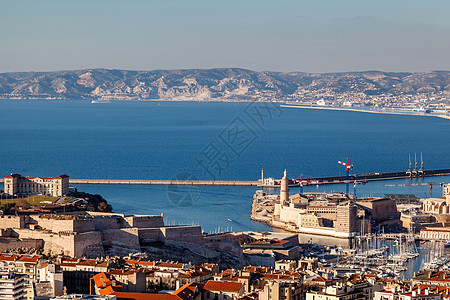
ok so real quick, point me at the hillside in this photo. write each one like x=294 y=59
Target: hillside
x=217 y=84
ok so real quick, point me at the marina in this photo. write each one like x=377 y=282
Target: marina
x=392 y=259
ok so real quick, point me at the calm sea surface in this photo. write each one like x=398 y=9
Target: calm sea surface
x=164 y=140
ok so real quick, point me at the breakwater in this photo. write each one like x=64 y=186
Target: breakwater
x=259 y=183
x=378 y=176
x=165 y=182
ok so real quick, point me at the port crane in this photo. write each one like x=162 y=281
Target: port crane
x=415 y=165
x=409 y=172
x=415 y=172
x=348 y=167
x=420 y=171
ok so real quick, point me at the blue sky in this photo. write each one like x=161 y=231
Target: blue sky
x=308 y=36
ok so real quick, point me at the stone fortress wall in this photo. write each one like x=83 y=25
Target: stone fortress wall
x=13 y=244
x=12 y=222
x=191 y=234
x=89 y=235
x=58 y=223
x=144 y=221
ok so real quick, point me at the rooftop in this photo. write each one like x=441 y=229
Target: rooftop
x=223 y=286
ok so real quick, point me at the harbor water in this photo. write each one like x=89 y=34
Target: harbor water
x=199 y=140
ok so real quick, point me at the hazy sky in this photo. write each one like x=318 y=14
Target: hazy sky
x=309 y=36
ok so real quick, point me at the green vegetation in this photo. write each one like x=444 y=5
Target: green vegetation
x=31 y=200
x=8 y=202
x=96 y=202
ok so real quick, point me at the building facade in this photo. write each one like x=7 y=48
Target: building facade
x=13 y=286
x=340 y=291
x=438 y=206
x=16 y=184
x=439 y=234
x=416 y=294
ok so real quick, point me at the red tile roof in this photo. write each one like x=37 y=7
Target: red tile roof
x=13 y=176
x=145 y=296
x=131 y=262
x=29 y=258
x=102 y=280
x=146 y=263
x=187 y=291
x=8 y=257
x=279 y=276
x=87 y=262
x=183 y=293
x=122 y=272
x=32 y=177
x=68 y=264
x=104 y=264
x=223 y=286
x=69 y=259
x=106 y=291
x=169 y=265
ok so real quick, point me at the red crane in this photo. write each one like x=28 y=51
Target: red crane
x=348 y=167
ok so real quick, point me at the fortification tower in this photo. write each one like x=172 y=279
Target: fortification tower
x=346 y=219
x=284 y=190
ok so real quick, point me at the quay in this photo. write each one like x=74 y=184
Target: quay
x=394 y=236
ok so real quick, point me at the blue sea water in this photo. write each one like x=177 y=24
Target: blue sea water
x=230 y=141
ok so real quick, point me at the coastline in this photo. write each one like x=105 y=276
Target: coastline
x=364 y=111
x=282 y=104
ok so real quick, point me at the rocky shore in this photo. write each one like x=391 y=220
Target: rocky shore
x=262 y=211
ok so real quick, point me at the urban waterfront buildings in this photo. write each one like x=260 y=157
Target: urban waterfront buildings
x=334 y=215
x=113 y=255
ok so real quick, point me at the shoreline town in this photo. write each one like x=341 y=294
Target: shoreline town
x=65 y=246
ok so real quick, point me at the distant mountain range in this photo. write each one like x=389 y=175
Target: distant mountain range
x=216 y=84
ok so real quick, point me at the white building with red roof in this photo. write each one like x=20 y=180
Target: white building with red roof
x=16 y=184
x=24 y=264
x=223 y=290
x=417 y=292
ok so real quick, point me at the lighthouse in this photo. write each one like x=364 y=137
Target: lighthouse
x=284 y=190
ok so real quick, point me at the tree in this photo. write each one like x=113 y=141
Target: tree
x=21 y=202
